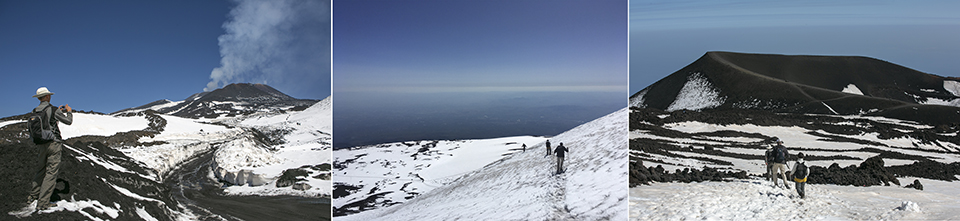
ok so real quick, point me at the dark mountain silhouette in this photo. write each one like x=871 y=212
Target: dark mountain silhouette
x=806 y=84
x=231 y=100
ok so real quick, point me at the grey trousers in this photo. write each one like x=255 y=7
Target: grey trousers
x=48 y=169
x=770 y=172
x=800 y=189
x=559 y=164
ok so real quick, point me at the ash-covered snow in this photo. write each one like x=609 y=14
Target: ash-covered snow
x=524 y=186
x=753 y=199
x=953 y=87
x=796 y=138
x=852 y=89
x=697 y=94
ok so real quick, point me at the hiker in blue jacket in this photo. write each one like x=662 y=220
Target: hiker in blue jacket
x=560 y=150
x=800 y=173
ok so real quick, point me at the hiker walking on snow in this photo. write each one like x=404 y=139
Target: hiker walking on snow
x=800 y=173
x=548 y=148
x=524 y=147
x=560 y=150
x=768 y=161
x=780 y=162
x=50 y=142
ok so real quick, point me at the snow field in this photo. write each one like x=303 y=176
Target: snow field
x=101 y=125
x=391 y=167
x=9 y=122
x=758 y=200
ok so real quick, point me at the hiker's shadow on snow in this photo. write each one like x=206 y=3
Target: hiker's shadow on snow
x=748 y=181
x=57 y=191
x=773 y=194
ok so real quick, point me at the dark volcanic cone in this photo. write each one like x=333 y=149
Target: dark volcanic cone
x=231 y=100
x=802 y=84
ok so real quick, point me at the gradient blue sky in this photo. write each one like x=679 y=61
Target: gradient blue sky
x=665 y=36
x=109 y=55
x=443 y=46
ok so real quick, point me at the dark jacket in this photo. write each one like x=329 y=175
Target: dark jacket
x=58 y=116
x=786 y=155
x=560 y=150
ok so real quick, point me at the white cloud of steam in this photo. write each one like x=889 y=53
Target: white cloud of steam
x=283 y=43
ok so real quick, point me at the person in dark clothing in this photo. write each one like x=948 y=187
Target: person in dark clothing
x=560 y=150
x=768 y=160
x=548 y=149
x=800 y=173
x=780 y=156
x=49 y=157
x=524 y=147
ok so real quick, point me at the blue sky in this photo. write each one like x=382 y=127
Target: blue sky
x=665 y=36
x=443 y=46
x=109 y=55
x=434 y=69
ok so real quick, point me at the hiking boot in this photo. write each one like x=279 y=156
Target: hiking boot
x=45 y=207
x=30 y=200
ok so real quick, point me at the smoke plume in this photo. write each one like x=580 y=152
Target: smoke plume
x=284 y=43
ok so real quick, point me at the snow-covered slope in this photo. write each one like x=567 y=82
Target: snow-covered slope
x=381 y=175
x=118 y=164
x=524 y=186
x=758 y=200
x=306 y=141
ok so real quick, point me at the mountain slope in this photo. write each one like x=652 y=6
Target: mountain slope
x=145 y=165
x=524 y=186
x=804 y=84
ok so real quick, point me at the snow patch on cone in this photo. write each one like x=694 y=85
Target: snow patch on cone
x=852 y=89
x=697 y=94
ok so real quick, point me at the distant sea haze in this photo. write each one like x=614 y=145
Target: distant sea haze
x=367 y=118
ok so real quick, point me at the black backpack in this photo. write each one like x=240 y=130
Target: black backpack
x=36 y=124
x=801 y=171
x=779 y=154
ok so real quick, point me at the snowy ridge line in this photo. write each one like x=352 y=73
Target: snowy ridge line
x=5 y=123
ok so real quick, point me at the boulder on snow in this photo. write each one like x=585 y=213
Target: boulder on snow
x=301 y=186
x=242 y=177
x=230 y=177
x=289 y=177
x=916 y=185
